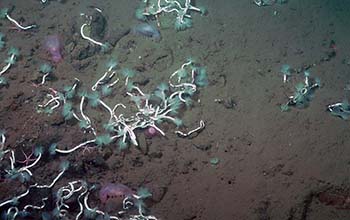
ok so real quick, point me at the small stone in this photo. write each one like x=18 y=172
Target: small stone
x=203 y=147
x=98 y=26
x=56 y=120
x=158 y=193
x=156 y=155
x=288 y=173
x=143 y=146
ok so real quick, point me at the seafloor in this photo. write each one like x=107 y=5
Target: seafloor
x=275 y=165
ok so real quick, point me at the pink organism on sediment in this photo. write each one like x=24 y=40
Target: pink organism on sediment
x=53 y=45
x=112 y=191
x=151 y=132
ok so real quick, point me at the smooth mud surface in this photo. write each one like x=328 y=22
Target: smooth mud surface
x=271 y=165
